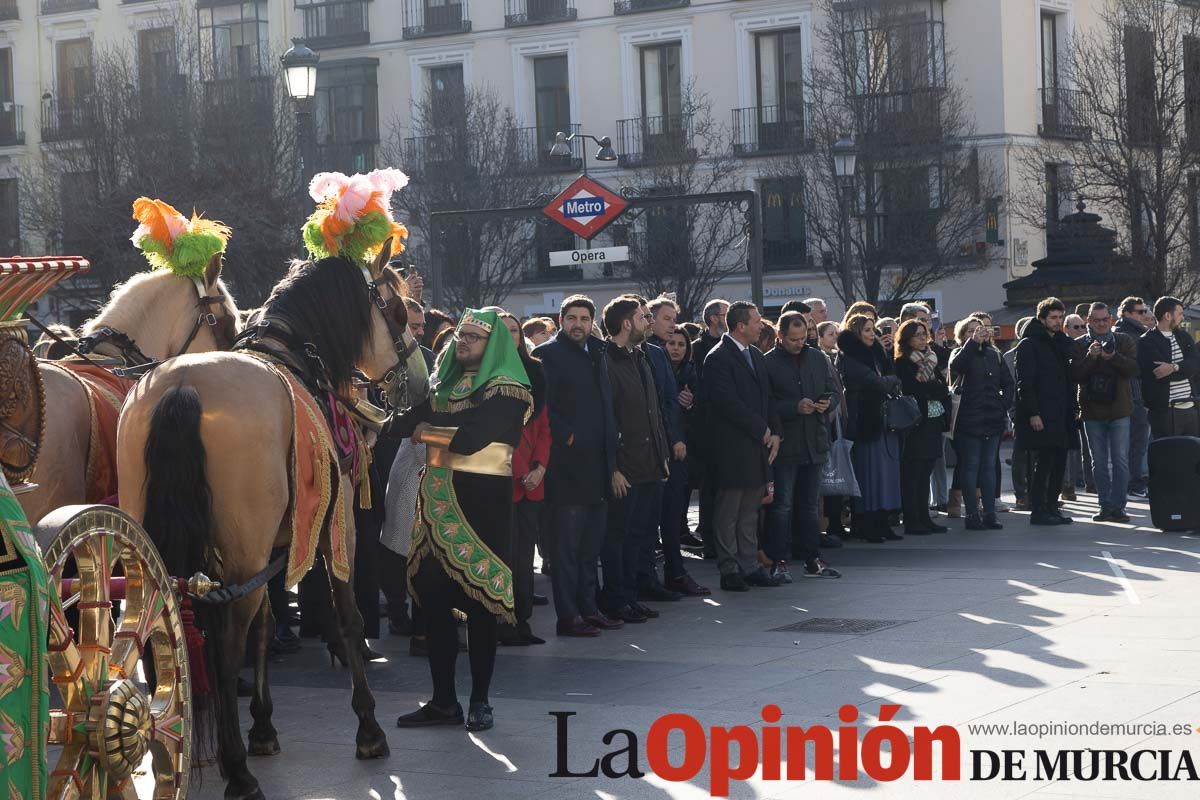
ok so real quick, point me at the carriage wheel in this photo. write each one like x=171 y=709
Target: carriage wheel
x=119 y=736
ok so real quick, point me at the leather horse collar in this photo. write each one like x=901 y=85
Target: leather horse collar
x=135 y=360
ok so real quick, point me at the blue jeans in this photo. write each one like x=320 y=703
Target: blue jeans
x=797 y=497
x=977 y=469
x=1109 y=442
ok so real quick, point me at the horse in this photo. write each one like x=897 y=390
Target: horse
x=203 y=462
x=156 y=314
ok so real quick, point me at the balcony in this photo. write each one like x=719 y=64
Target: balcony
x=529 y=149
x=638 y=6
x=62 y=121
x=654 y=140
x=12 y=124
x=62 y=6
x=342 y=23
x=435 y=154
x=347 y=157
x=903 y=118
x=769 y=130
x=782 y=254
x=9 y=10
x=518 y=13
x=424 y=18
x=1061 y=114
x=237 y=94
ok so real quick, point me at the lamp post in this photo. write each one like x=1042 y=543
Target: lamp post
x=299 y=65
x=562 y=147
x=845 y=162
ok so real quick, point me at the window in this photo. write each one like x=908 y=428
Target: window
x=79 y=192
x=347 y=116
x=10 y=217
x=550 y=238
x=1193 y=197
x=784 y=239
x=1191 y=90
x=1049 y=51
x=1140 y=84
x=233 y=41
x=662 y=87
x=897 y=47
x=1058 y=194
x=552 y=97
x=157 y=66
x=446 y=95
x=74 y=60
x=11 y=130
x=780 y=76
x=1141 y=216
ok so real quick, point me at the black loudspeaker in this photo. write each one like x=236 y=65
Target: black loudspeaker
x=1175 y=483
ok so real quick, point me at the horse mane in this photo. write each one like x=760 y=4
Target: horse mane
x=131 y=305
x=325 y=302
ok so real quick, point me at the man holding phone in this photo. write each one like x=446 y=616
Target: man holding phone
x=804 y=394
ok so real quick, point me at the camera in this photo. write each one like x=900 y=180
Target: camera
x=1109 y=347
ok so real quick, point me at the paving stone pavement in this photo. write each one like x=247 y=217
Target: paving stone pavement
x=1091 y=622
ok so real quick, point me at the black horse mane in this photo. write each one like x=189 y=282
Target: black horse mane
x=326 y=302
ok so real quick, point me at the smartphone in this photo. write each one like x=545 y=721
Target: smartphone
x=825 y=398
x=934 y=324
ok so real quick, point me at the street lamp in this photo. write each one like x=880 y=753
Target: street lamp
x=299 y=65
x=562 y=147
x=845 y=162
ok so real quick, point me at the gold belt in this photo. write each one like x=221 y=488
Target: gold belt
x=495 y=459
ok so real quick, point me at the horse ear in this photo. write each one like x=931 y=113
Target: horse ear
x=381 y=260
x=213 y=271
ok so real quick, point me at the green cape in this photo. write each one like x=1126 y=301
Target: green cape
x=501 y=366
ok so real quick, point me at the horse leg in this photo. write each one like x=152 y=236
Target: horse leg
x=264 y=741
x=240 y=782
x=371 y=741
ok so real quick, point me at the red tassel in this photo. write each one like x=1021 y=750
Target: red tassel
x=195 y=648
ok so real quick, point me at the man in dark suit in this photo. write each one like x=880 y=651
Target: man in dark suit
x=583 y=452
x=742 y=425
x=1170 y=371
x=715 y=327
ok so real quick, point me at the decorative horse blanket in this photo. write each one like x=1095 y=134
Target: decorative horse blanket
x=106 y=395
x=24 y=690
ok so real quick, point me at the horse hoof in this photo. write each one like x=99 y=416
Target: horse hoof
x=376 y=750
x=264 y=747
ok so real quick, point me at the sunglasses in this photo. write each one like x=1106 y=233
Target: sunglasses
x=1076 y=327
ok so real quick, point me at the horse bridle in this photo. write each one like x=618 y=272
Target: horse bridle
x=395 y=380
x=223 y=329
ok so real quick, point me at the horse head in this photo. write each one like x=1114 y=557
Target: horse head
x=393 y=359
x=161 y=315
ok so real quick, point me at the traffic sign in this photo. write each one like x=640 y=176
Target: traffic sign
x=601 y=255
x=586 y=207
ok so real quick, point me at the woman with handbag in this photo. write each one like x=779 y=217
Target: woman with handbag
x=917 y=368
x=833 y=504
x=985 y=385
x=867 y=374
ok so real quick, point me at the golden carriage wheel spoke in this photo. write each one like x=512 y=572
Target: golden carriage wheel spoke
x=113 y=726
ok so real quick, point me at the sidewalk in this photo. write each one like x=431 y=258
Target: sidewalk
x=1091 y=622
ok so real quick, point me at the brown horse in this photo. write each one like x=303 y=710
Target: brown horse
x=204 y=462
x=158 y=312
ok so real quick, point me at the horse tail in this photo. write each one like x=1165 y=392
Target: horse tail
x=178 y=519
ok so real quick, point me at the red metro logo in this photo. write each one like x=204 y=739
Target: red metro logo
x=586 y=207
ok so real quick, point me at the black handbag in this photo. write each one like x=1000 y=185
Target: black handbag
x=901 y=413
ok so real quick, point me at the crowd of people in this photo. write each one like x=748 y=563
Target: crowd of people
x=633 y=410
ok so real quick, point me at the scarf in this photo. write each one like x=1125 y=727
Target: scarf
x=926 y=361
x=500 y=371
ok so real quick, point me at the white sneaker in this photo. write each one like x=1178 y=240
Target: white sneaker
x=1002 y=506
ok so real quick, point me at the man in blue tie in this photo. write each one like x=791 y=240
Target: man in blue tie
x=743 y=426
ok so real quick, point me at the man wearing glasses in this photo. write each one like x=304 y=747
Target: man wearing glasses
x=1136 y=319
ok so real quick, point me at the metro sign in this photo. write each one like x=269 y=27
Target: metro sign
x=586 y=207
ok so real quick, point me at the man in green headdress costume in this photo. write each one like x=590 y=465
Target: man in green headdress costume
x=459 y=557
x=24 y=689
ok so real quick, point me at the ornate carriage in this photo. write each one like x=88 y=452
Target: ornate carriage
x=95 y=687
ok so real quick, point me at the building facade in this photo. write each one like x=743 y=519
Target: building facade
x=606 y=67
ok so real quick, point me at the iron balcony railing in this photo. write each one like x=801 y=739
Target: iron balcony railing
x=429 y=18
x=537 y=12
x=1062 y=114
x=910 y=117
x=12 y=124
x=637 y=6
x=347 y=157
x=342 y=23
x=59 y=6
x=62 y=121
x=762 y=130
x=433 y=152
x=654 y=140
x=530 y=149
x=9 y=10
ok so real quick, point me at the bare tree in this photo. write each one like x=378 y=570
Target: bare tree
x=684 y=249
x=465 y=151
x=1126 y=137
x=921 y=191
x=223 y=147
